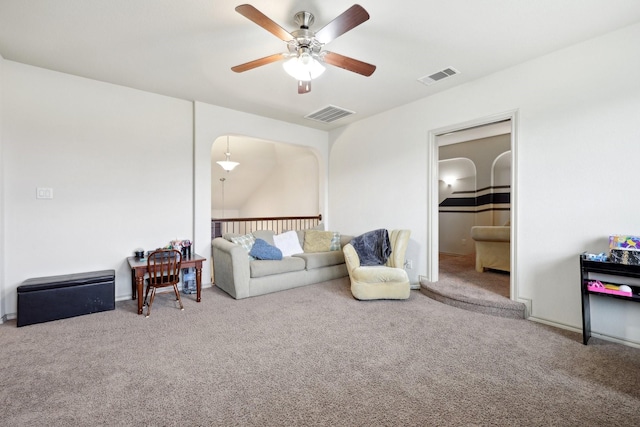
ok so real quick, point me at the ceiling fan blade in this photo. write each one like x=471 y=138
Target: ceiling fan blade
x=304 y=87
x=262 y=20
x=258 y=62
x=349 y=19
x=349 y=64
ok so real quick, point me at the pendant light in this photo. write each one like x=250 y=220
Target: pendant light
x=227 y=164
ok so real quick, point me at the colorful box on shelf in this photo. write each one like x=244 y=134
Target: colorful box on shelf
x=624 y=242
x=625 y=256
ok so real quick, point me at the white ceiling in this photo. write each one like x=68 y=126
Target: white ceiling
x=185 y=48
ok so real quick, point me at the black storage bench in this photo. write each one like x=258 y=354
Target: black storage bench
x=58 y=297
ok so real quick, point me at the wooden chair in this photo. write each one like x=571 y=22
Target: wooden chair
x=163 y=266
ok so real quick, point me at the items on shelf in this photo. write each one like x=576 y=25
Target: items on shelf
x=184 y=246
x=598 y=286
x=622 y=241
x=624 y=249
x=626 y=289
x=596 y=257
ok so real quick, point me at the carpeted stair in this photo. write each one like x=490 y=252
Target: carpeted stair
x=460 y=285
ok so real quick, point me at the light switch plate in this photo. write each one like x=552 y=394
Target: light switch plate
x=44 y=193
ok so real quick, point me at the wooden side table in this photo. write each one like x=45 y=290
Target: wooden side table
x=139 y=269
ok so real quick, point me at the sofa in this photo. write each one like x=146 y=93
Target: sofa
x=493 y=246
x=242 y=277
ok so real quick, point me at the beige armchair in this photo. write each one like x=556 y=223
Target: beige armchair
x=492 y=247
x=389 y=281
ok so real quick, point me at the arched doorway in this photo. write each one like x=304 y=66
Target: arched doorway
x=272 y=179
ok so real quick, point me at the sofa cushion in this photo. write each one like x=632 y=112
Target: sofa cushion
x=288 y=243
x=266 y=235
x=246 y=242
x=261 y=268
x=229 y=236
x=321 y=259
x=491 y=233
x=263 y=250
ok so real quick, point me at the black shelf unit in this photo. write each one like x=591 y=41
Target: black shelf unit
x=602 y=267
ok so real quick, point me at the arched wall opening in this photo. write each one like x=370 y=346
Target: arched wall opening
x=212 y=122
x=272 y=179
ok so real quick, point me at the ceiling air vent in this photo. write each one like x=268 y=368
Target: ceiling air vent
x=442 y=74
x=329 y=114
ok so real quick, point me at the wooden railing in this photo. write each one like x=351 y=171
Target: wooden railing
x=220 y=226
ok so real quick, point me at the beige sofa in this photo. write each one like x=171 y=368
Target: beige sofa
x=241 y=277
x=493 y=247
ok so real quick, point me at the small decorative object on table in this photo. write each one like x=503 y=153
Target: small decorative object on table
x=186 y=248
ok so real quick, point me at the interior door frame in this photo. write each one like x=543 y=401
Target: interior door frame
x=433 y=226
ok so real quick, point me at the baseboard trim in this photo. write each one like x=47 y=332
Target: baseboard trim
x=7 y=317
x=611 y=338
x=528 y=309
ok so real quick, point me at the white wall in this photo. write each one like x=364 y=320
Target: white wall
x=272 y=179
x=211 y=122
x=455 y=227
x=577 y=130
x=482 y=152
x=290 y=190
x=3 y=290
x=120 y=165
x=502 y=177
x=113 y=156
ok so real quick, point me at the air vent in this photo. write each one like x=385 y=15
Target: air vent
x=329 y=114
x=435 y=77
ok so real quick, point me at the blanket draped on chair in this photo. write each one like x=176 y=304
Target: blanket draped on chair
x=372 y=247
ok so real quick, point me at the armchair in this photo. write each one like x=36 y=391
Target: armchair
x=493 y=245
x=389 y=281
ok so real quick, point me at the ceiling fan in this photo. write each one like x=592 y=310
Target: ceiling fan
x=305 y=56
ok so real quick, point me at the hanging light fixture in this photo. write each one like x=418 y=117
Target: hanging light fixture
x=222 y=180
x=227 y=164
x=304 y=66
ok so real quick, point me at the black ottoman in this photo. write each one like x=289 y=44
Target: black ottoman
x=57 y=297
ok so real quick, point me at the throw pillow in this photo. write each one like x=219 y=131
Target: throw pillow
x=245 y=241
x=335 y=242
x=317 y=241
x=288 y=243
x=319 y=226
x=263 y=250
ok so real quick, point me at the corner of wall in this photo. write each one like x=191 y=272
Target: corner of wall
x=3 y=311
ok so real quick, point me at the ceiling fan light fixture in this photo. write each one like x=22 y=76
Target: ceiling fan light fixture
x=303 y=67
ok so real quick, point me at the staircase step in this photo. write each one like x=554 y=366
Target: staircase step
x=472 y=298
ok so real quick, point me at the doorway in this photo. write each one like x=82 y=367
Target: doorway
x=459 y=133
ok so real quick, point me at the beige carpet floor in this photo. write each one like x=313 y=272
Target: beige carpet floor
x=311 y=356
x=460 y=285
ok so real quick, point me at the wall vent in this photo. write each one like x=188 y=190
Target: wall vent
x=329 y=114
x=435 y=77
